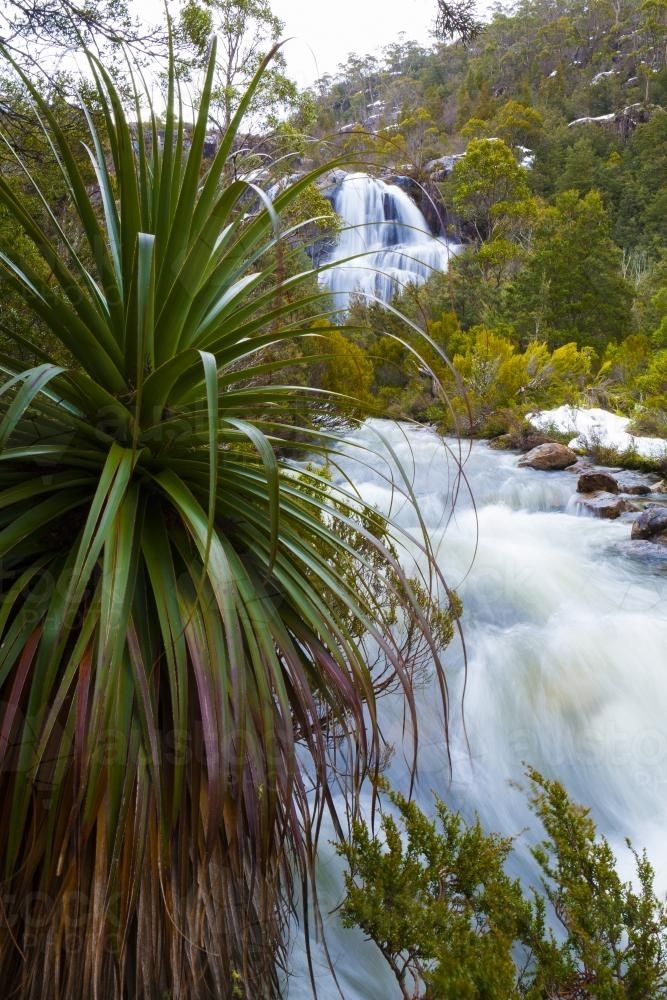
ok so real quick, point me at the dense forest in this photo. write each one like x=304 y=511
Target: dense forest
x=560 y=201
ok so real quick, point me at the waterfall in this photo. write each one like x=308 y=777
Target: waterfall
x=385 y=243
x=565 y=640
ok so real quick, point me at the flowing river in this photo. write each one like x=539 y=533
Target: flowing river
x=566 y=640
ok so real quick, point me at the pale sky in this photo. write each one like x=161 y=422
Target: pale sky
x=324 y=34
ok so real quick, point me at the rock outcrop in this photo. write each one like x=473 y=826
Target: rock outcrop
x=596 y=480
x=549 y=456
x=622 y=122
x=603 y=504
x=651 y=524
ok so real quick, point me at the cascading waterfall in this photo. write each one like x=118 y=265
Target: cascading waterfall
x=385 y=243
x=566 y=642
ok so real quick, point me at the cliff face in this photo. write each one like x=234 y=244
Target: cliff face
x=623 y=122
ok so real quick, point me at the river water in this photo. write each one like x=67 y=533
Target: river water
x=566 y=644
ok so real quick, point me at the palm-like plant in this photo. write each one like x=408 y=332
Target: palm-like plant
x=182 y=613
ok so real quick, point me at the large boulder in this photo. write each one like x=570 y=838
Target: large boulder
x=651 y=523
x=648 y=552
x=549 y=456
x=596 y=480
x=603 y=504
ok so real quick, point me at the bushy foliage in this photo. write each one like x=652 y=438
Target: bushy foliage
x=435 y=897
x=488 y=186
x=653 y=383
x=496 y=376
x=571 y=287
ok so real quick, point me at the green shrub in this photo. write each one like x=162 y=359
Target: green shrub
x=435 y=897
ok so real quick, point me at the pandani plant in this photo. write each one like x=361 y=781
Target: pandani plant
x=186 y=612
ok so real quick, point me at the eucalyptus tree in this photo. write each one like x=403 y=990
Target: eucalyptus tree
x=653 y=41
x=489 y=188
x=245 y=29
x=419 y=136
x=193 y=624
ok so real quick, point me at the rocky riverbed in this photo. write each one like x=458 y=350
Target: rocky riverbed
x=640 y=498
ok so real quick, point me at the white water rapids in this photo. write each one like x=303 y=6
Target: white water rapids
x=385 y=243
x=567 y=670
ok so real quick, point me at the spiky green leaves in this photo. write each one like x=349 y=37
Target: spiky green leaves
x=182 y=613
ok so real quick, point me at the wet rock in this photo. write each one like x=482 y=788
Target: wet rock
x=581 y=465
x=660 y=486
x=633 y=483
x=603 y=504
x=549 y=456
x=594 y=481
x=635 y=489
x=649 y=552
x=651 y=523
